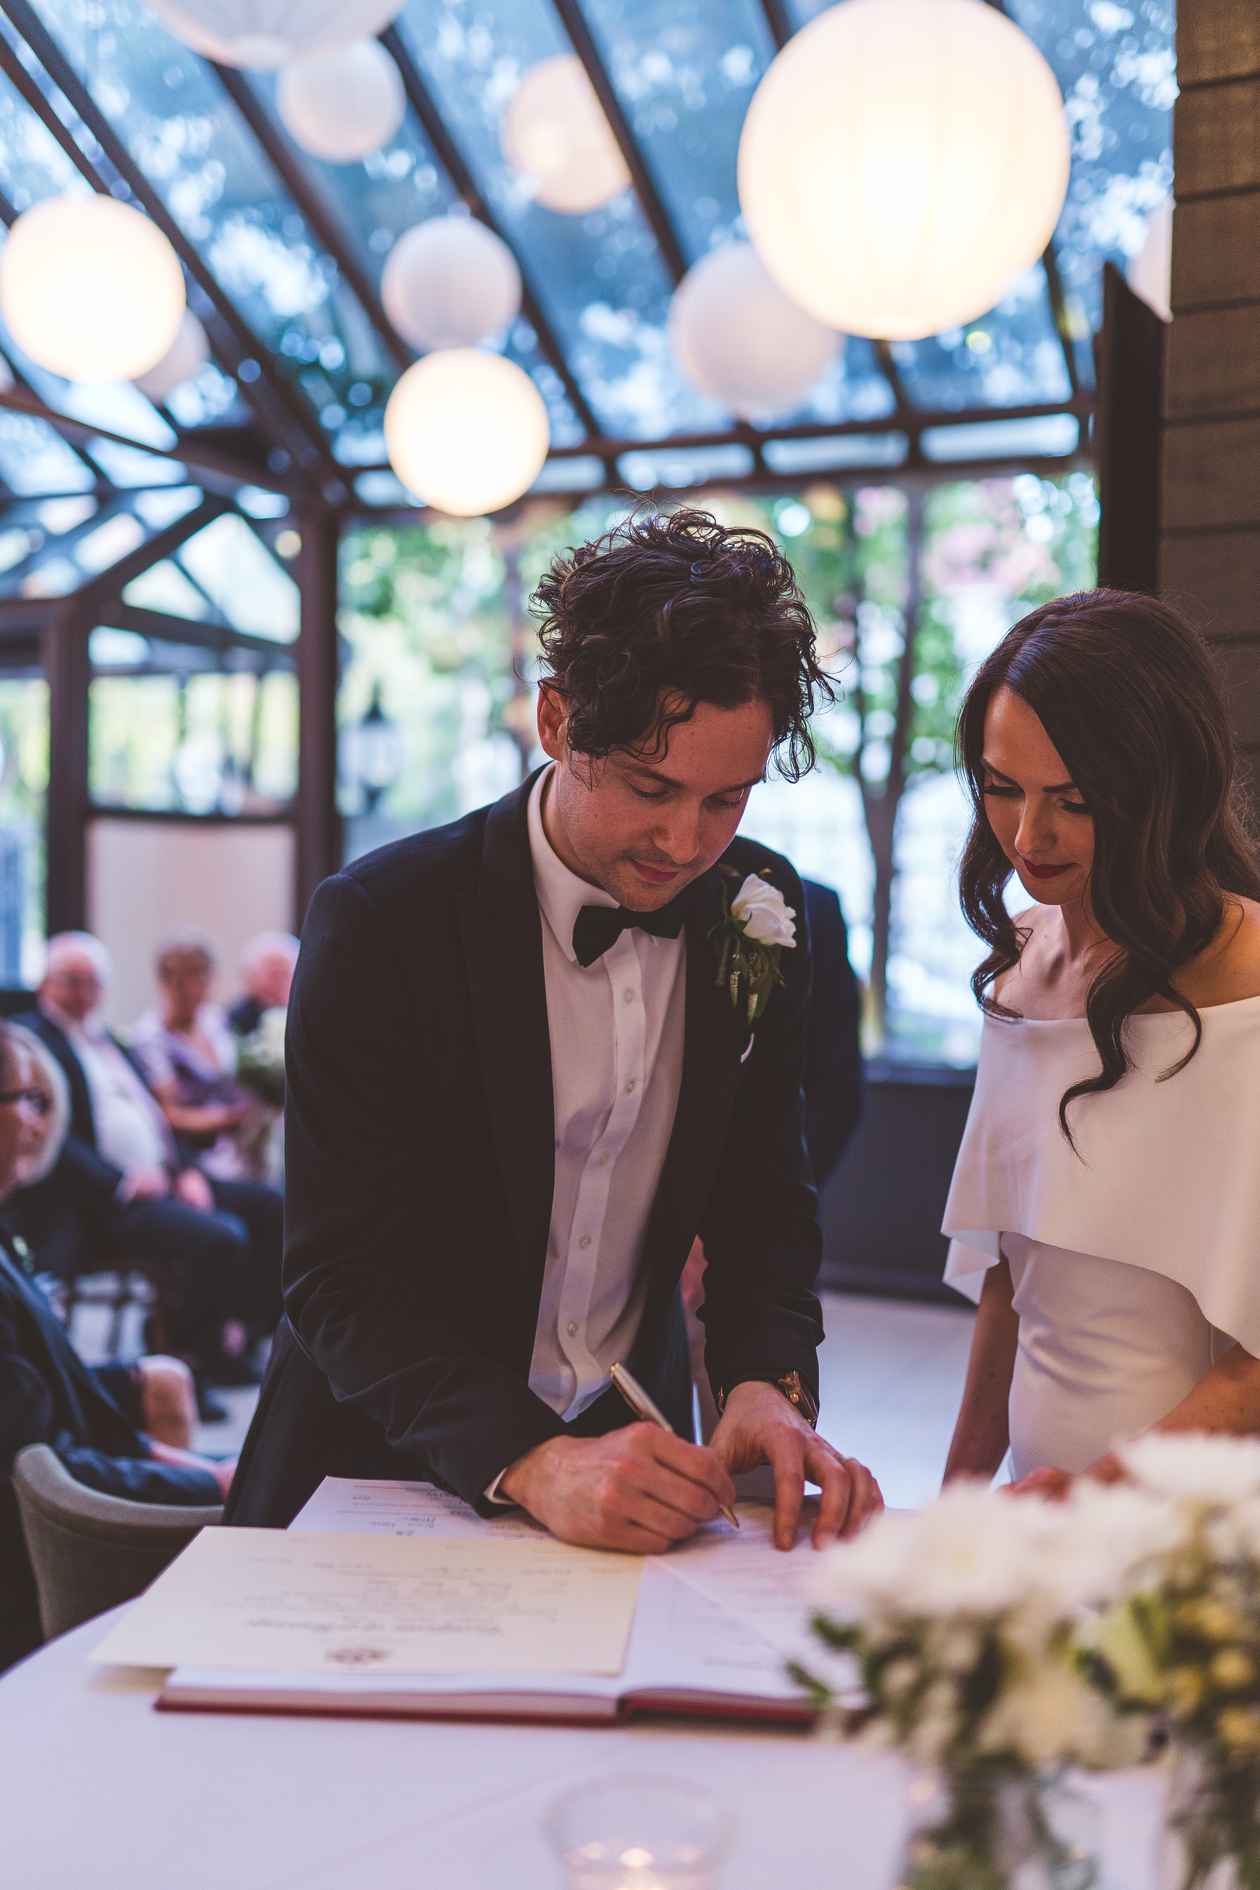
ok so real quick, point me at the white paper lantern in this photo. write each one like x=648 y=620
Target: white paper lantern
x=902 y=163
x=557 y=137
x=450 y=283
x=342 y=104
x=466 y=431
x=738 y=338
x=1150 y=271
x=183 y=360
x=264 y=34
x=90 y=288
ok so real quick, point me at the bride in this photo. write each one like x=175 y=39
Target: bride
x=1105 y=1206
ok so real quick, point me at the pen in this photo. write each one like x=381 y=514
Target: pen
x=643 y=1407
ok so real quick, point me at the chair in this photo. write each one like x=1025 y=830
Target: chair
x=89 y=1551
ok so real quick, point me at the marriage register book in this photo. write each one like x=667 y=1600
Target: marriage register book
x=712 y=1627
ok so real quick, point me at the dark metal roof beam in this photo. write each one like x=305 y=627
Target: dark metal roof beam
x=59 y=543
x=303 y=435
x=781 y=31
x=109 y=584
x=202 y=636
x=211 y=465
x=453 y=163
x=650 y=200
x=310 y=201
x=917 y=422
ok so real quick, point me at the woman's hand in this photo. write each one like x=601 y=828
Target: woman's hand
x=1053 y=1485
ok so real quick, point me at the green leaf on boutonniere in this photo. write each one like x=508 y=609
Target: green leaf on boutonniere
x=756 y=927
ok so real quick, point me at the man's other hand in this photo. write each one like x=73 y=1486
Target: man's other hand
x=640 y=1489
x=193 y=1190
x=144 y=1184
x=760 y=1426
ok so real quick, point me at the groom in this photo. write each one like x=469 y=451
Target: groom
x=517 y=1091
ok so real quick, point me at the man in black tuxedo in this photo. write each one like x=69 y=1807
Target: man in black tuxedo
x=124 y=1190
x=521 y=1080
x=833 y=1048
x=49 y=1396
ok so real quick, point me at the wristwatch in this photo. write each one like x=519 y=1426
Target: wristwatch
x=794 y=1389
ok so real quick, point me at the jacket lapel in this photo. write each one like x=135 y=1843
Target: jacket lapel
x=502 y=934
x=711 y=1047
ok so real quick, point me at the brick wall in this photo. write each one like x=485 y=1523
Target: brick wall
x=1210 y=510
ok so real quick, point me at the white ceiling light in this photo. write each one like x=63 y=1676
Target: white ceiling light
x=738 y=338
x=344 y=103
x=466 y=431
x=1150 y=271
x=183 y=360
x=264 y=34
x=90 y=288
x=902 y=163
x=557 y=138
x=450 y=283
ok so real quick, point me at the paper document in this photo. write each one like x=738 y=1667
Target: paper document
x=381 y=1506
x=365 y=1603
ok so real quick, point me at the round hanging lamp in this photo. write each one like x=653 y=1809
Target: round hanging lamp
x=557 y=138
x=183 y=360
x=738 y=338
x=264 y=34
x=450 y=283
x=343 y=103
x=466 y=431
x=902 y=163
x=90 y=288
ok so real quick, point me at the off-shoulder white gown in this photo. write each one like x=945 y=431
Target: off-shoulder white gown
x=1135 y=1264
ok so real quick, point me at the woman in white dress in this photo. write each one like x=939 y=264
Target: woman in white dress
x=1105 y=1206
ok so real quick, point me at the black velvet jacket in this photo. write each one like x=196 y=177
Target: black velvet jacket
x=419 y=1176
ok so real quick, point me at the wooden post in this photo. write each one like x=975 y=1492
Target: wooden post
x=63 y=642
x=317 y=821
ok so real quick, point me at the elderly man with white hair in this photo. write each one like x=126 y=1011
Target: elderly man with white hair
x=267 y=966
x=124 y=1190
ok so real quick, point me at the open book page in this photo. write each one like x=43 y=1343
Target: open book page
x=265 y=1599
x=380 y=1506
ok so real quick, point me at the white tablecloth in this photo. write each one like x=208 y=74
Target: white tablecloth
x=100 y=1792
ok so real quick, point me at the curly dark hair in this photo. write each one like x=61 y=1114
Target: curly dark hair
x=1127 y=693
x=668 y=610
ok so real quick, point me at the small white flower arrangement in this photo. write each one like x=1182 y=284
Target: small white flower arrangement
x=260 y=1058
x=756 y=927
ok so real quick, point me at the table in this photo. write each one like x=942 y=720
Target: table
x=97 y=1790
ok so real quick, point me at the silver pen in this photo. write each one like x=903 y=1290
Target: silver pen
x=643 y=1407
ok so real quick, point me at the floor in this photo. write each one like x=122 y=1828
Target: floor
x=891 y=1374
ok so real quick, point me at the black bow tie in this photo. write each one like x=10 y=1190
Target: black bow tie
x=598 y=927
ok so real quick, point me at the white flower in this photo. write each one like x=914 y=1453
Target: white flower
x=764 y=913
x=1049 y=1713
x=1203 y=1471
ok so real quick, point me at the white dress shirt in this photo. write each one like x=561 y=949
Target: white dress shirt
x=616 y=1031
x=131 y=1130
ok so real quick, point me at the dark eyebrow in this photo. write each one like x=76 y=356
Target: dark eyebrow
x=667 y=780
x=1060 y=787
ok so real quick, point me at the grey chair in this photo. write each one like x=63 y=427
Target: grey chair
x=89 y=1551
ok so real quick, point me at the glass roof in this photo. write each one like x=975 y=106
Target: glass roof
x=682 y=72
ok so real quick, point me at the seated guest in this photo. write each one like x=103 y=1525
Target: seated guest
x=125 y=1189
x=48 y=1395
x=1106 y=1201
x=188 y=1055
x=267 y=967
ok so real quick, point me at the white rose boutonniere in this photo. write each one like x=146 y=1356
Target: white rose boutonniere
x=757 y=925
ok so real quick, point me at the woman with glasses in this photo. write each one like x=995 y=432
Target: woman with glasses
x=1105 y=1207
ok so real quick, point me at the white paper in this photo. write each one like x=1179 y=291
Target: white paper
x=264 y=1599
x=372 y=1506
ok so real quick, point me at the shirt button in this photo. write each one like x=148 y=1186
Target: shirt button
x=571 y=1328
x=627 y=997
x=585 y=1241
x=630 y=1087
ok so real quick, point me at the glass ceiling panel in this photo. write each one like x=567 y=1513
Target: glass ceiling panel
x=164 y=587
x=1008 y=358
x=33 y=458
x=243 y=581
x=600 y=276
x=179 y=125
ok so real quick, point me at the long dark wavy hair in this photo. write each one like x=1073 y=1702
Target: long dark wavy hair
x=668 y=610
x=1127 y=693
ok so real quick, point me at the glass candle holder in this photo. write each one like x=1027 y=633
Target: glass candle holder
x=638 y=1833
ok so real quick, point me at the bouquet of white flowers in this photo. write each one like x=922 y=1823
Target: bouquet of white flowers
x=260 y=1059
x=964 y=1621
x=1181 y=1644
